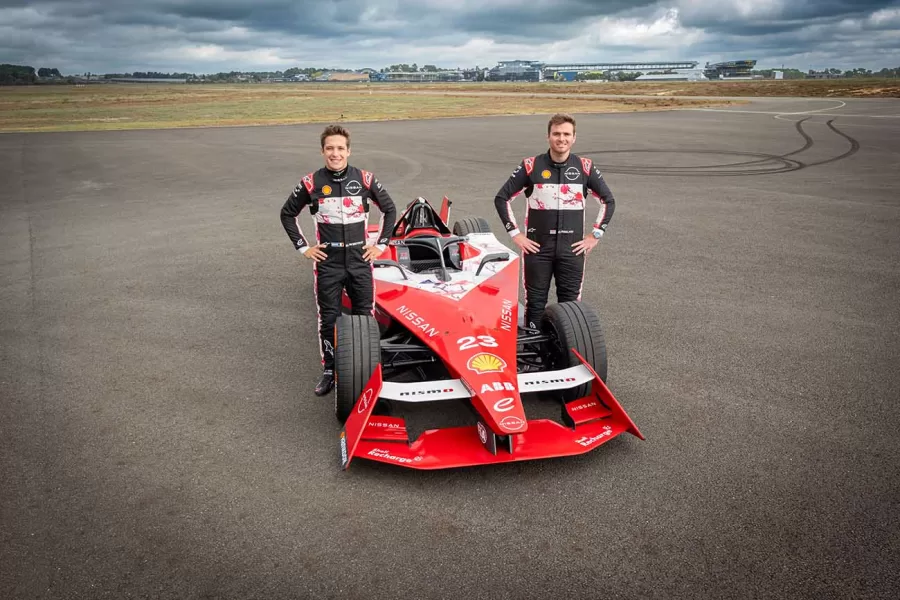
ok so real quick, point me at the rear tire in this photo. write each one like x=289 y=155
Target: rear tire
x=575 y=325
x=357 y=351
x=471 y=225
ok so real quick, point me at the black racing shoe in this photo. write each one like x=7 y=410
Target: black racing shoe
x=325 y=384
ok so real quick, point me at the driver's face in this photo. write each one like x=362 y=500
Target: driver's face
x=336 y=152
x=561 y=137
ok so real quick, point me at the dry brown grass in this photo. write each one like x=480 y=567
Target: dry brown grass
x=807 y=88
x=140 y=106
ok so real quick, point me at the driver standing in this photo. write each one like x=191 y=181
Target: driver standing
x=338 y=198
x=557 y=185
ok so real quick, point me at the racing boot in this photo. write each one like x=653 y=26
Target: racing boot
x=325 y=384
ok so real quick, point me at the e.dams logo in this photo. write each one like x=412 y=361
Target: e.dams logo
x=484 y=362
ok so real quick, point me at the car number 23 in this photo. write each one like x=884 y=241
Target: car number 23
x=473 y=341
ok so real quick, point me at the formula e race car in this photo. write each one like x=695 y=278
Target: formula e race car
x=446 y=330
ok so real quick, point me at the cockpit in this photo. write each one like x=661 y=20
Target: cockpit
x=426 y=244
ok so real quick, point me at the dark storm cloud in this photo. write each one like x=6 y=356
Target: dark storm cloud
x=546 y=19
x=753 y=18
x=209 y=35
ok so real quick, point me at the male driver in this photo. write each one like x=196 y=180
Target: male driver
x=554 y=244
x=338 y=198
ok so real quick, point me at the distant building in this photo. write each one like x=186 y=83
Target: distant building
x=570 y=71
x=335 y=76
x=145 y=80
x=532 y=70
x=418 y=76
x=516 y=70
x=822 y=75
x=733 y=69
x=677 y=75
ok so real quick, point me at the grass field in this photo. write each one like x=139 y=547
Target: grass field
x=141 y=106
x=811 y=88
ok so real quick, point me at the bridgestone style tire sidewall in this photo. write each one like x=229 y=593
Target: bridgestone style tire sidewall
x=578 y=326
x=357 y=351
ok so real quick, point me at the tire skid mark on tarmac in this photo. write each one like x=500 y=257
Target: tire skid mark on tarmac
x=760 y=164
x=854 y=145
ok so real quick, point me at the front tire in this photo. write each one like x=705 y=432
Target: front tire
x=357 y=351
x=575 y=325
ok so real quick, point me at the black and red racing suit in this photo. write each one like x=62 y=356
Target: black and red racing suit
x=339 y=204
x=554 y=218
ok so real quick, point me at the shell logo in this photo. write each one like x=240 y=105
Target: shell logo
x=484 y=362
x=545 y=174
x=326 y=189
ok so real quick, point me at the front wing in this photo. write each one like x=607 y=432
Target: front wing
x=589 y=422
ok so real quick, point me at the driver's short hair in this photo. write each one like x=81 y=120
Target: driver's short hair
x=559 y=119
x=334 y=130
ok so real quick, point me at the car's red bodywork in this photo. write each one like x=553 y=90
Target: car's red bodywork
x=470 y=322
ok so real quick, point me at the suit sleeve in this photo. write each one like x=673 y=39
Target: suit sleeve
x=290 y=216
x=388 y=212
x=600 y=191
x=513 y=186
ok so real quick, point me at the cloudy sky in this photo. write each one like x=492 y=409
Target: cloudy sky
x=208 y=36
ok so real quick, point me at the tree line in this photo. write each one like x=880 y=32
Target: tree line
x=17 y=75
x=836 y=73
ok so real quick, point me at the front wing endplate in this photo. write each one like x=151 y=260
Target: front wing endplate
x=592 y=421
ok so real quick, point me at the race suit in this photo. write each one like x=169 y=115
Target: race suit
x=339 y=204
x=554 y=218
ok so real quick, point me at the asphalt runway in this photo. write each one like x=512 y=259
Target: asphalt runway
x=160 y=437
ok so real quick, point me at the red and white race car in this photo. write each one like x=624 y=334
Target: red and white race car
x=446 y=330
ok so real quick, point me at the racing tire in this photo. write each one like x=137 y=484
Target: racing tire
x=471 y=225
x=357 y=351
x=574 y=325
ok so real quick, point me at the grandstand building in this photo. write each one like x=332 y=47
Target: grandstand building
x=733 y=69
x=676 y=75
x=532 y=70
x=418 y=76
x=516 y=70
x=569 y=71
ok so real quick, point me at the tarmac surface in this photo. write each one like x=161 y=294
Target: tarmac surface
x=160 y=438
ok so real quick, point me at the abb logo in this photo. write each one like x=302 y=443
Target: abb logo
x=497 y=386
